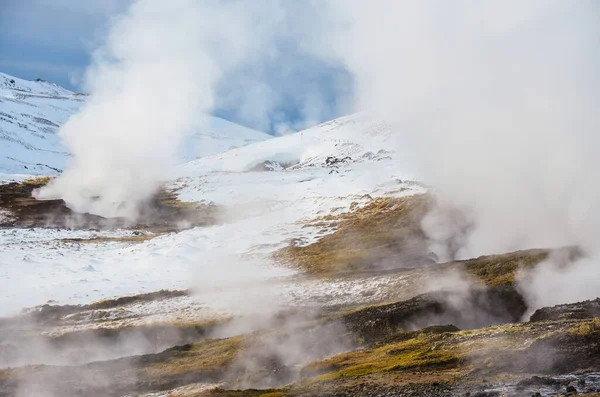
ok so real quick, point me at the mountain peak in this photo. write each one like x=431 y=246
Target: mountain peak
x=15 y=85
x=31 y=112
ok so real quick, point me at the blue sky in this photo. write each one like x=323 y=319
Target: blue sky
x=52 y=40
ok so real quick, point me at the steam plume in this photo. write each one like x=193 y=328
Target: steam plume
x=499 y=101
x=150 y=83
x=155 y=77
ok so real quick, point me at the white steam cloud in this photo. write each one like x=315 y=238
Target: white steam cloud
x=150 y=82
x=500 y=103
x=162 y=67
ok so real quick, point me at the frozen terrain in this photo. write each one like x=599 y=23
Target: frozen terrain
x=32 y=111
x=263 y=211
x=82 y=305
x=267 y=189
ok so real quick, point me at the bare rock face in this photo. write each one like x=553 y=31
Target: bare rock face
x=569 y=311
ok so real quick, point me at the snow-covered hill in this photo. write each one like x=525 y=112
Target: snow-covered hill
x=263 y=210
x=32 y=111
x=37 y=87
x=30 y=114
x=346 y=140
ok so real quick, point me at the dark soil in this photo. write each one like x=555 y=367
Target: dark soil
x=471 y=309
x=570 y=311
x=162 y=213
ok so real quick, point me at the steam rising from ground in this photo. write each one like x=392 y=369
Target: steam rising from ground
x=150 y=83
x=500 y=102
x=154 y=78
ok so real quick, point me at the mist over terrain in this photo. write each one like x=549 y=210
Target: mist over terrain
x=498 y=102
x=440 y=238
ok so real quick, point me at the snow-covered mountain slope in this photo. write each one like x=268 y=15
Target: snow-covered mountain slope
x=30 y=114
x=37 y=87
x=32 y=111
x=220 y=135
x=346 y=140
x=262 y=211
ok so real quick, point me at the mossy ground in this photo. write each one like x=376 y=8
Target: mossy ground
x=435 y=357
x=169 y=198
x=211 y=356
x=586 y=328
x=204 y=361
x=222 y=392
x=38 y=181
x=385 y=233
x=501 y=269
x=438 y=358
x=384 y=229
x=496 y=352
x=419 y=353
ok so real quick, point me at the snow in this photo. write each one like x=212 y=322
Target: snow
x=28 y=126
x=226 y=265
x=39 y=87
x=219 y=136
x=356 y=136
x=32 y=111
x=263 y=211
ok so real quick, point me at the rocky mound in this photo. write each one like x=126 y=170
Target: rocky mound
x=569 y=311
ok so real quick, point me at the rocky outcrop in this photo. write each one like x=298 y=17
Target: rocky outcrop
x=466 y=309
x=569 y=311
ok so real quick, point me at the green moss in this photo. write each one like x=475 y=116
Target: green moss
x=388 y=229
x=424 y=352
x=491 y=352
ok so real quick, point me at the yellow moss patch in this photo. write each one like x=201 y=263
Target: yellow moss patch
x=6 y=374
x=38 y=181
x=423 y=352
x=385 y=227
x=448 y=354
x=586 y=328
x=206 y=356
x=273 y=394
x=500 y=269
